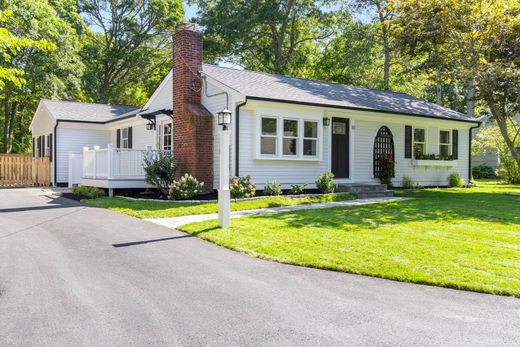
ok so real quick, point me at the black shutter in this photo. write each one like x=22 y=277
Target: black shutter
x=33 y=147
x=455 y=145
x=129 y=137
x=40 y=146
x=408 y=141
x=50 y=147
x=118 y=138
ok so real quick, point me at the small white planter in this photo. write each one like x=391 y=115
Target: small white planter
x=439 y=163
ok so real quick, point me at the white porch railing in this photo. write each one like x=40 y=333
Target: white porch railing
x=116 y=163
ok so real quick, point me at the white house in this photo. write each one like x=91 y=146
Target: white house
x=283 y=128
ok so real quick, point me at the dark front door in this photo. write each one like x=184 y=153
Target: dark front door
x=340 y=150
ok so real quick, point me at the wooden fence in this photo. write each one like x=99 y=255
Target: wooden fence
x=18 y=170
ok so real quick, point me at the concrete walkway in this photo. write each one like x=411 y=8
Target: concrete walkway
x=175 y=222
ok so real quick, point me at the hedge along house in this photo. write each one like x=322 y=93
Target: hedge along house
x=283 y=128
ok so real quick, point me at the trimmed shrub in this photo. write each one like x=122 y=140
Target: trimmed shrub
x=455 y=180
x=483 y=171
x=325 y=184
x=89 y=192
x=242 y=187
x=159 y=170
x=408 y=182
x=273 y=187
x=185 y=188
x=297 y=189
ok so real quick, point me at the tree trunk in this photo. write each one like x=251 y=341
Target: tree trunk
x=386 y=78
x=470 y=98
x=502 y=120
x=438 y=87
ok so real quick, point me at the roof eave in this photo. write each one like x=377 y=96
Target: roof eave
x=360 y=109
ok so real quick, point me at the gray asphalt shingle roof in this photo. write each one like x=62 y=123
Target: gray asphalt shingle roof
x=262 y=85
x=83 y=112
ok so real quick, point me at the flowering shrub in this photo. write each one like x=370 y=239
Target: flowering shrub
x=325 y=184
x=273 y=187
x=242 y=187
x=387 y=168
x=185 y=188
x=297 y=189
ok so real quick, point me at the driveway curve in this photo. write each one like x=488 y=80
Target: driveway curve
x=72 y=275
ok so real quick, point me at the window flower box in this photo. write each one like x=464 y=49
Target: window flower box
x=431 y=162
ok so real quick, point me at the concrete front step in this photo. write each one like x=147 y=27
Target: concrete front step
x=375 y=194
x=368 y=190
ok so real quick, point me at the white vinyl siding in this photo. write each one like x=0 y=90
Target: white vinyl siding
x=72 y=140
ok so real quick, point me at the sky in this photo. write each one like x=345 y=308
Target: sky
x=191 y=10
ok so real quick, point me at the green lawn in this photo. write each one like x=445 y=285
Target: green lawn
x=157 y=209
x=459 y=238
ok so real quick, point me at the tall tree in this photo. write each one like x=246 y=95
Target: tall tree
x=383 y=14
x=41 y=56
x=478 y=42
x=130 y=42
x=276 y=36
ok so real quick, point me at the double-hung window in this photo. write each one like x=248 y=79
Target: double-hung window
x=444 y=143
x=419 y=141
x=269 y=136
x=167 y=136
x=310 y=138
x=289 y=138
x=124 y=138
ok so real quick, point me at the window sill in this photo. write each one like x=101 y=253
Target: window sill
x=439 y=163
x=287 y=158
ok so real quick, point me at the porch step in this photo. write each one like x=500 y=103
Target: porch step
x=364 y=191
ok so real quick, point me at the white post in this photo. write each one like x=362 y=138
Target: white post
x=223 y=192
x=110 y=157
x=85 y=150
x=70 y=169
x=96 y=148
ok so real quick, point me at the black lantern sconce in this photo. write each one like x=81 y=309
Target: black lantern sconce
x=224 y=118
x=326 y=122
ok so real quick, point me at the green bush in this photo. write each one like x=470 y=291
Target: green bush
x=408 y=182
x=509 y=171
x=297 y=189
x=325 y=184
x=159 y=170
x=242 y=187
x=483 y=171
x=89 y=192
x=273 y=187
x=185 y=188
x=455 y=180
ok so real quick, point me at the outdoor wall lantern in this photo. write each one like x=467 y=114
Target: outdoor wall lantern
x=224 y=118
x=150 y=125
x=326 y=122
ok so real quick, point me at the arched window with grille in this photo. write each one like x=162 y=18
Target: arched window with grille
x=383 y=145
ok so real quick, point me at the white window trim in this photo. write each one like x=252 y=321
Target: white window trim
x=318 y=139
x=279 y=139
x=443 y=143
x=424 y=143
x=297 y=138
x=123 y=138
x=162 y=135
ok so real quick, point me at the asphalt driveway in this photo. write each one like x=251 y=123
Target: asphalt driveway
x=72 y=275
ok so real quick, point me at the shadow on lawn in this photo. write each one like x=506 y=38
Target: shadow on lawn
x=432 y=206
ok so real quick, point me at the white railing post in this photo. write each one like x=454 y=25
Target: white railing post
x=110 y=158
x=85 y=161
x=223 y=191
x=96 y=148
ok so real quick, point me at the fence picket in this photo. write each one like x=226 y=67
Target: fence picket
x=24 y=170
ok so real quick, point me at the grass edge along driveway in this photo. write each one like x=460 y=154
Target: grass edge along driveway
x=162 y=209
x=458 y=238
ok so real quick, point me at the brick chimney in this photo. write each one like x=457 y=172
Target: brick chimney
x=192 y=123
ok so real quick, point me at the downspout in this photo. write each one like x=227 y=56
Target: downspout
x=237 y=137
x=54 y=153
x=470 y=173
